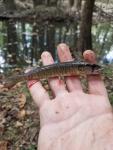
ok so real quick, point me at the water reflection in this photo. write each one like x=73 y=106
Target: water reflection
x=22 y=43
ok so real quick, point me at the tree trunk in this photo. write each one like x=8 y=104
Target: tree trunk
x=12 y=44
x=9 y=4
x=71 y=2
x=34 y=44
x=24 y=40
x=51 y=40
x=51 y=2
x=41 y=36
x=4 y=25
x=66 y=4
x=85 y=39
x=78 y=4
x=37 y=2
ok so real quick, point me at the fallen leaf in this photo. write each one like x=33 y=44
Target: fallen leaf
x=22 y=100
x=17 y=148
x=2 y=88
x=17 y=70
x=29 y=112
x=18 y=124
x=21 y=114
x=1 y=130
x=2 y=119
x=3 y=145
x=18 y=85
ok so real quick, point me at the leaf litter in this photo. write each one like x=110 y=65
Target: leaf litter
x=19 y=118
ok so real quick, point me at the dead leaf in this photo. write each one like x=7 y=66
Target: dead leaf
x=3 y=145
x=17 y=148
x=18 y=124
x=29 y=112
x=2 y=119
x=2 y=88
x=17 y=70
x=22 y=100
x=18 y=85
x=21 y=114
x=1 y=130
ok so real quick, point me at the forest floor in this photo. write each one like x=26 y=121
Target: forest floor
x=19 y=118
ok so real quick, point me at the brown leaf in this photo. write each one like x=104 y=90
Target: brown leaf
x=22 y=100
x=18 y=85
x=29 y=112
x=18 y=124
x=1 y=130
x=17 y=148
x=2 y=119
x=21 y=114
x=3 y=145
x=17 y=70
x=2 y=88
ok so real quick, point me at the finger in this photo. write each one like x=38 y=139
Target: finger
x=37 y=91
x=89 y=56
x=95 y=82
x=57 y=85
x=73 y=83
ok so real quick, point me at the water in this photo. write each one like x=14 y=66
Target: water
x=21 y=44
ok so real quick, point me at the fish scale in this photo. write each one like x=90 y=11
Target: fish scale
x=55 y=70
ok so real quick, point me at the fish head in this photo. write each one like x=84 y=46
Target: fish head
x=93 y=69
x=96 y=68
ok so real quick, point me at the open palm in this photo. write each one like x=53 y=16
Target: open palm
x=73 y=120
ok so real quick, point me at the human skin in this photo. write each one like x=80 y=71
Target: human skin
x=73 y=120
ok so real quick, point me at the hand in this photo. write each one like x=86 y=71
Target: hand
x=73 y=120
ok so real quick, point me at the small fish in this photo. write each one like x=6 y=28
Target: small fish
x=54 y=70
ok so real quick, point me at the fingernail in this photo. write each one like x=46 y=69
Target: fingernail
x=45 y=54
x=63 y=47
